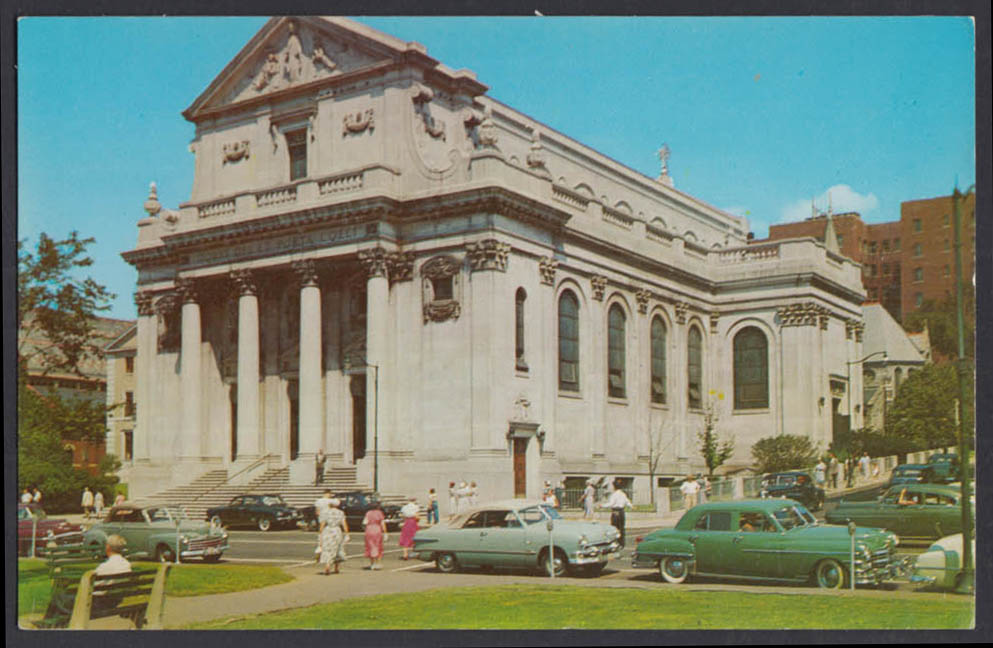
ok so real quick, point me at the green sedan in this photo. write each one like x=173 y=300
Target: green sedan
x=157 y=532
x=521 y=534
x=912 y=511
x=770 y=540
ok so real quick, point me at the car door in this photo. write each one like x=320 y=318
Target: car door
x=234 y=514
x=886 y=513
x=714 y=540
x=502 y=540
x=466 y=542
x=756 y=549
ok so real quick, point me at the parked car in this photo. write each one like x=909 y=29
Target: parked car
x=263 y=512
x=941 y=468
x=907 y=474
x=940 y=565
x=794 y=485
x=912 y=511
x=766 y=539
x=32 y=516
x=354 y=504
x=514 y=533
x=152 y=532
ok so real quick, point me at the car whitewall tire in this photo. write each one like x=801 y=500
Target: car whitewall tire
x=673 y=569
x=830 y=574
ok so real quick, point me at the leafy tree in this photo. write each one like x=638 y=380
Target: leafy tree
x=55 y=305
x=714 y=450
x=941 y=317
x=784 y=452
x=923 y=412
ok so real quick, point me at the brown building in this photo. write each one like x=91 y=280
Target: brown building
x=904 y=262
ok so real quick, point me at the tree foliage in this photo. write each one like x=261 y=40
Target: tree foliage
x=853 y=443
x=941 y=317
x=785 y=452
x=923 y=412
x=55 y=305
x=714 y=450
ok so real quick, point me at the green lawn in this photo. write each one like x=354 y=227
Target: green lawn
x=557 y=607
x=34 y=587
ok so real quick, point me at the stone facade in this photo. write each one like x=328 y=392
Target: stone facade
x=373 y=262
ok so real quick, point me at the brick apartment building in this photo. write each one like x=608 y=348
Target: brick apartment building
x=904 y=262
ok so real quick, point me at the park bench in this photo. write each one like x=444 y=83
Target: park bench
x=66 y=565
x=138 y=596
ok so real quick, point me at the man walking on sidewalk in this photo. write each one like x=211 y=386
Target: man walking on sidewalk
x=617 y=502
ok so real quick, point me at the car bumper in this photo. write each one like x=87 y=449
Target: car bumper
x=205 y=551
x=875 y=574
x=595 y=554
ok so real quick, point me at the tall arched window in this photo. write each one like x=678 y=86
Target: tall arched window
x=658 y=360
x=751 y=369
x=519 y=299
x=694 y=368
x=568 y=342
x=615 y=351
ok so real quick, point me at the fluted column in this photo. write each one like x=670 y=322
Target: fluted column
x=190 y=374
x=311 y=385
x=144 y=362
x=377 y=298
x=247 y=428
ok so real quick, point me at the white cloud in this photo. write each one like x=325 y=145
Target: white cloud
x=842 y=198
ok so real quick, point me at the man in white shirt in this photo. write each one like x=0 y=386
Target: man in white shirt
x=689 y=489
x=87 y=502
x=115 y=563
x=617 y=502
x=26 y=497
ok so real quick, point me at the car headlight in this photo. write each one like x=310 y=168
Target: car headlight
x=583 y=541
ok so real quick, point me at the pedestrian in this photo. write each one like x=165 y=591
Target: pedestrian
x=375 y=534
x=432 y=506
x=548 y=496
x=689 y=489
x=473 y=495
x=462 y=497
x=617 y=502
x=820 y=470
x=409 y=513
x=704 y=489
x=119 y=499
x=319 y=460
x=864 y=466
x=559 y=491
x=116 y=563
x=833 y=469
x=87 y=502
x=333 y=535
x=321 y=506
x=36 y=496
x=453 y=504
x=589 y=496
x=98 y=503
x=26 y=497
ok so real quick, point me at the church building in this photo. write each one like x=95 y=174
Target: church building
x=381 y=261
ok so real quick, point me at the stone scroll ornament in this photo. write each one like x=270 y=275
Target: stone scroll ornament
x=421 y=96
x=490 y=254
x=235 y=151
x=714 y=320
x=244 y=282
x=355 y=123
x=400 y=266
x=438 y=269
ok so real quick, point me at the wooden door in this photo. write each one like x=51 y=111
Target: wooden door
x=520 y=464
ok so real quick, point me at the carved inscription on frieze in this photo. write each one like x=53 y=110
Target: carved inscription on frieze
x=277 y=245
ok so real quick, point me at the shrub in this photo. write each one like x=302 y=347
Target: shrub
x=786 y=452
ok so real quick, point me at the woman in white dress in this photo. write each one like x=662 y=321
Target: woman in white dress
x=334 y=530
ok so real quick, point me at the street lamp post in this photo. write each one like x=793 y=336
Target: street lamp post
x=851 y=467
x=966 y=577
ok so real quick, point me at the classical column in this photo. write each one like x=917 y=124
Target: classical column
x=377 y=302
x=144 y=362
x=311 y=396
x=190 y=374
x=248 y=365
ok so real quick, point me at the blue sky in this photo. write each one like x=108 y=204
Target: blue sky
x=761 y=114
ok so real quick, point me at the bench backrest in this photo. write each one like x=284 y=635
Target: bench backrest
x=138 y=596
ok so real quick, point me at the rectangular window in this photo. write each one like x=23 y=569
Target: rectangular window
x=129 y=364
x=947 y=271
x=886 y=245
x=886 y=268
x=948 y=245
x=896 y=244
x=918 y=274
x=918 y=299
x=841 y=239
x=948 y=220
x=128 y=403
x=296 y=143
x=694 y=366
x=872 y=247
x=917 y=225
x=128 y=445
x=918 y=250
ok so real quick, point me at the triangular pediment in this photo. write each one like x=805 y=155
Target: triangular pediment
x=292 y=52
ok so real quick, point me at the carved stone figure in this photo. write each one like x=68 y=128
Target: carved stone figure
x=357 y=122
x=682 y=308
x=546 y=268
x=599 y=283
x=234 y=151
x=643 y=296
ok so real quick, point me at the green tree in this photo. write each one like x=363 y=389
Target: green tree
x=941 y=318
x=923 y=412
x=714 y=450
x=784 y=452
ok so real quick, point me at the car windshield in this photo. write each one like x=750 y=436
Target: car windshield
x=807 y=516
x=273 y=500
x=159 y=515
x=782 y=480
x=788 y=518
x=538 y=513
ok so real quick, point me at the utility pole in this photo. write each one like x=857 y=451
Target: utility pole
x=966 y=579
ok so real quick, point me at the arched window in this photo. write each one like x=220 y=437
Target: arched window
x=751 y=369
x=519 y=299
x=658 y=360
x=694 y=368
x=615 y=352
x=568 y=342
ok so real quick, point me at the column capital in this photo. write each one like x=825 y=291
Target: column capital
x=682 y=308
x=186 y=288
x=375 y=261
x=145 y=303
x=643 y=296
x=546 y=268
x=244 y=282
x=306 y=272
x=803 y=314
x=400 y=266
x=599 y=284
x=489 y=254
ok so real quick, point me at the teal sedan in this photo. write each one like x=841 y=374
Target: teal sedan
x=158 y=532
x=518 y=534
x=912 y=511
x=766 y=540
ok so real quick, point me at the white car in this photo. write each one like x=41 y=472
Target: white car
x=940 y=565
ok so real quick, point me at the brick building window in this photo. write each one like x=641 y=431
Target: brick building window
x=886 y=268
x=948 y=245
x=918 y=251
x=872 y=247
x=841 y=239
x=886 y=245
x=947 y=271
x=896 y=244
x=918 y=274
x=917 y=225
x=947 y=220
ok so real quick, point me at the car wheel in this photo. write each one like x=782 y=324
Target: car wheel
x=829 y=574
x=559 y=563
x=265 y=524
x=446 y=562
x=216 y=521
x=163 y=553
x=674 y=569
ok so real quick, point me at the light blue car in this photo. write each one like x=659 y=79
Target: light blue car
x=515 y=534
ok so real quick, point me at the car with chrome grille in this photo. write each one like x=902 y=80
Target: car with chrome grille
x=263 y=512
x=766 y=540
x=159 y=532
x=518 y=534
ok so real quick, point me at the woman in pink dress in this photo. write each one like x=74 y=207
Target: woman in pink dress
x=375 y=533
x=409 y=511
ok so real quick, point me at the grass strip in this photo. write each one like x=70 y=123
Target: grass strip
x=563 y=607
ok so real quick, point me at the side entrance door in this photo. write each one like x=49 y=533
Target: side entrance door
x=520 y=465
